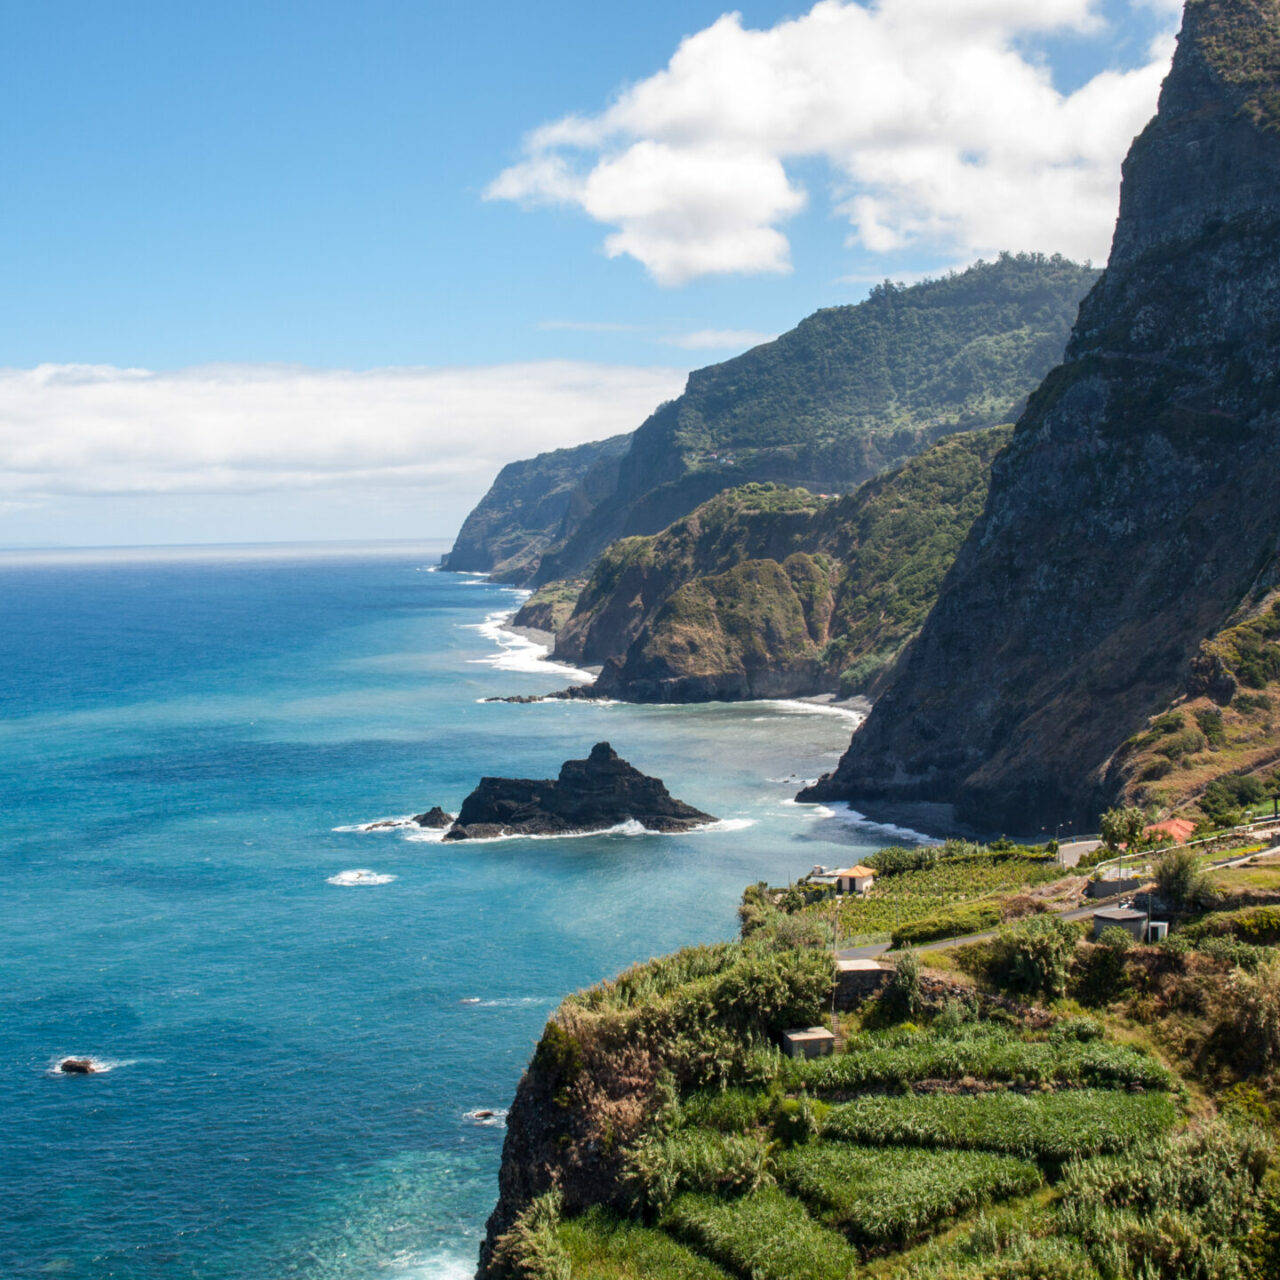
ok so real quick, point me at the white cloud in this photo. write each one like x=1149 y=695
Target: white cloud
x=937 y=125
x=96 y=432
x=719 y=339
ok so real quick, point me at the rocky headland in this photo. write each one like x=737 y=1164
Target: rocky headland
x=594 y=794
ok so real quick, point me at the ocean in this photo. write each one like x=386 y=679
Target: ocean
x=190 y=742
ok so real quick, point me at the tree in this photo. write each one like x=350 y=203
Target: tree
x=1123 y=827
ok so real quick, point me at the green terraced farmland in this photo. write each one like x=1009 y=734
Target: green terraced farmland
x=1056 y=1126
x=764 y=1236
x=602 y=1246
x=886 y=1195
x=992 y=1054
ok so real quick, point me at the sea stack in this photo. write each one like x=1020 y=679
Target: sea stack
x=594 y=794
x=1134 y=509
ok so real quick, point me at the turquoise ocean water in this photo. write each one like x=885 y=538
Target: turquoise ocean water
x=292 y=1059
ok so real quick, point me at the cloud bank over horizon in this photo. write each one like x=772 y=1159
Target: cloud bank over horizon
x=84 y=447
x=939 y=126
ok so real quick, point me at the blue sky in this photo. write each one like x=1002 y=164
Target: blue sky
x=350 y=187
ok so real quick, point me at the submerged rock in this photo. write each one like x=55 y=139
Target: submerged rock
x=594 y=794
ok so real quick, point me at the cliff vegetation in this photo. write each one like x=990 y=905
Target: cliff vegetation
x=850 y=392
x=770 y=591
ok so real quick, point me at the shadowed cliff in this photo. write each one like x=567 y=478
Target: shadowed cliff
x=1135 y=508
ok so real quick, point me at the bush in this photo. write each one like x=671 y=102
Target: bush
x=531 y=1250
x=954 y=922
x=728 y=1110
x=796 y=1120
x=901 y=998
x=1258 y=925
x=1034 y=957
x=1253 y=1020
x=660 y=1167
x=1180 y=878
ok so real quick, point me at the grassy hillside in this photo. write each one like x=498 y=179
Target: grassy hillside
x=975 y=1123
x=1216 y=748
x=768 y=591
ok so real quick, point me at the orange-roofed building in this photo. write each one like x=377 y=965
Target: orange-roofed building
x=1179 y=830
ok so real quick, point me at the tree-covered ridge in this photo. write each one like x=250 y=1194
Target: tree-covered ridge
x=851 y=392
x=771 y=591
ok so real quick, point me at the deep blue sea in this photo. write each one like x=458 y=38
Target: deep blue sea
x=293 y=1059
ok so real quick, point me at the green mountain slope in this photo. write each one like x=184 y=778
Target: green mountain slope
x=847 y=394
x=767 y=591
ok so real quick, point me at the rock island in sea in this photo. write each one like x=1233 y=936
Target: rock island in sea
x=594 y=794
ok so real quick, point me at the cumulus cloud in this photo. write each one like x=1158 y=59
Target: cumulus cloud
x=98 y=431
x=939 y=124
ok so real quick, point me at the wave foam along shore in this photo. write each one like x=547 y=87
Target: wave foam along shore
x=519 y=653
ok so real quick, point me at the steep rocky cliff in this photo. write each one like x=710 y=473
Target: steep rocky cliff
x=1135 y=508
x=530 y=505
x=767 y=591
x=849 y=393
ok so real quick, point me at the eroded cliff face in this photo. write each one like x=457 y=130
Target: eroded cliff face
x=770 y=592
x=1135 y=507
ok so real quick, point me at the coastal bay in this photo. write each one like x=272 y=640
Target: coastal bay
x=295 y=1058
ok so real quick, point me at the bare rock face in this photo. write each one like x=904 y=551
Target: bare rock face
x=594 y=794
x=1135 y=508
x=434 y=818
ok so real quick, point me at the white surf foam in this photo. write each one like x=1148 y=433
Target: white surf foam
x=797 y=706
x=519 y=653
x=359 y=875
x=845 y=813
x=631 y=827
x=509 y=1002
x=440 y=1264
x=425 y=835
x=496 y=1118
x=725 y=824
x=380 y=824
x=100 y=1065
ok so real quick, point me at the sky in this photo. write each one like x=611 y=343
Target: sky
x=316 y=269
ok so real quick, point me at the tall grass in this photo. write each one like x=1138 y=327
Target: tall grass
x=602 y=1246
x=883 y=1195
x=1057 y=1126
x=763 y=1236
x=993 y=1056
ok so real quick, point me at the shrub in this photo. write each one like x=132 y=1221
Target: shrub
x=901 y=998
x=1253 y=1019
x=766 y=1236
x=728 y=1110
x=1258 y=925
x=1181 y=880
x=1035 y=956
x=954 y=922
x=796 y=1120
x=531 y=1250
x=1210 y=721
x=660 y=1167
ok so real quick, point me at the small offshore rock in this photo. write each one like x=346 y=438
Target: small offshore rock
x=76 y=1066
x=435 y=818
x=594 y=794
